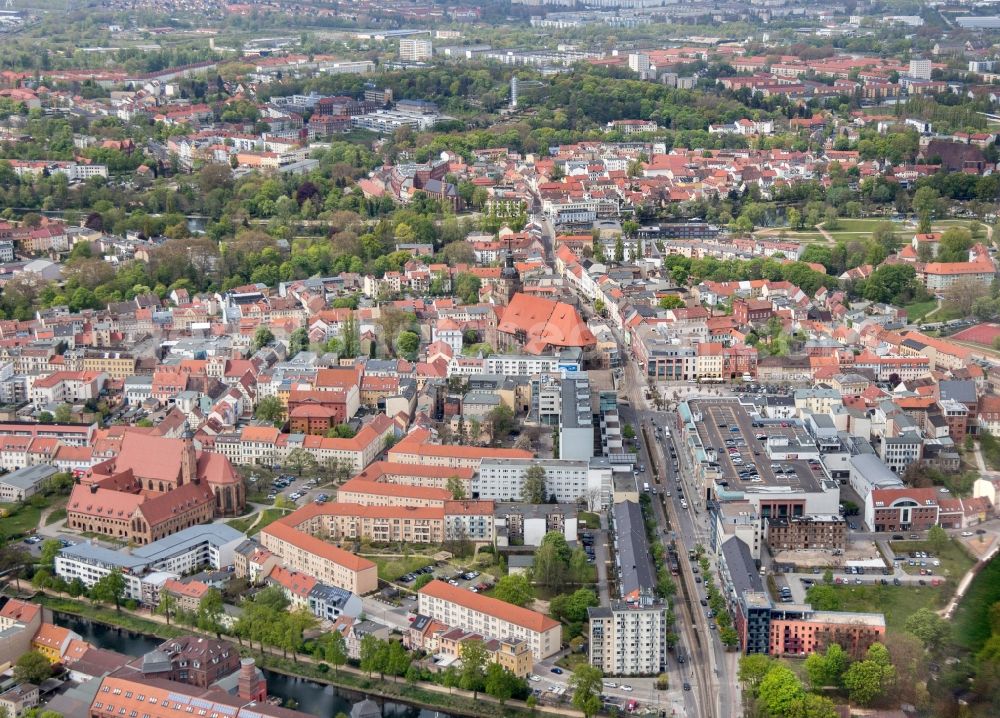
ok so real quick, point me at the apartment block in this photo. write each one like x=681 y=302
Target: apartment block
x=303 y=552
x=490 y=617
x=628 y=639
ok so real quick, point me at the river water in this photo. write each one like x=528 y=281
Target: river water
x=314 y=698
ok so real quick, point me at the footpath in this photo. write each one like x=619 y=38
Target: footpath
x=382 y=687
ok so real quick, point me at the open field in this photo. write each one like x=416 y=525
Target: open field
x=971 y=624
x=918 y=310
x=896 y=602
x=267 y=516
x=22 y=519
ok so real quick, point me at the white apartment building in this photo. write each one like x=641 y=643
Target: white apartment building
x=490 y=617
x=415 y=49
x=207 y=546
x=628 y=640
x=568 y=480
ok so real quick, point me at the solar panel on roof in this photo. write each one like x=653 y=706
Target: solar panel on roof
x=179 y=698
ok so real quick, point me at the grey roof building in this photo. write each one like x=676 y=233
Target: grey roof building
x=636 y=574
x=24 y=483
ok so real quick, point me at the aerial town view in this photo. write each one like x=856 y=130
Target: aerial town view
x=499 y=359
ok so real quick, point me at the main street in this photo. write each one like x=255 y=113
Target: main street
x=710 y=670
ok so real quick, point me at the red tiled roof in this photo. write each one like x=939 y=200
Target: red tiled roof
x=524 y=617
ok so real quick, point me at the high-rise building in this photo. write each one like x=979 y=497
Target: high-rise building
x=628 y=639
x=638 y=62
x=415 y=49
x=513 y=92
x=920 y=68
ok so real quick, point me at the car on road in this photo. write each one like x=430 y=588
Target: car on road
x=609 y=684
x=687 y=686
x=557 y=670
x=625 y=687
x=534 y=679
x=967 y=533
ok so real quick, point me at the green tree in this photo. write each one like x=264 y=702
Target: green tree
x=45 y=417
x=889 y=283
x=938 y=538
x=262 y=337
x=371 y=654
x=456 y=487
x=824 y=597
x=572 y=608
x=298 y=342
x=728 y=635
x=422 y=581
x=752 y=670
x=954 y=245
x=779 y=692
x=514 y=588
x=533 y=490
x=867 y=679
x=407 y=344
x=335 y=650
x=827 y=669
x=586 y=685
x=619 y=249
x=301 y=460
x=50 y=549
x=270 y=409
x=501 y=421
x=110 y=589
x=167 y=605
x=671 y=301
x=32 y=667
x=64 y=413
x=925 y=204
x=500 y=683
x=210 y=611
x=474 y=660
x=929 y=627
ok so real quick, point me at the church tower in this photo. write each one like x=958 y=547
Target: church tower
x=510 y=278
x=189 y=458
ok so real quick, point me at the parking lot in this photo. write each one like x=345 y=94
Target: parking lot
x=739 y=444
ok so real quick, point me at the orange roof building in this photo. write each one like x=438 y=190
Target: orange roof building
x=538 y=325
x=461 y=608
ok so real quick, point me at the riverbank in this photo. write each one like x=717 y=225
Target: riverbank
x=424 y=695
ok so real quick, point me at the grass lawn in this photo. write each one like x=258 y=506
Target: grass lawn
x=267 y=516
x=861 y=225
x=572 y=661
x=916 y=311
x=20 y=519
x=57 y=515
x=591 y=521
x=954 y=561
x=896 y=602
x=971 y=625
x=391 y=568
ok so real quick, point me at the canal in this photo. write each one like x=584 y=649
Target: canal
x=314 y=698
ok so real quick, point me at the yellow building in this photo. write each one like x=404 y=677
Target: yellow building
x=52 y=641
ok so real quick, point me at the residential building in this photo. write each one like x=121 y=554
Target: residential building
x=628 y=639
x=569 y=481
x=290 y=538
x=490 y=617
x=413 y=49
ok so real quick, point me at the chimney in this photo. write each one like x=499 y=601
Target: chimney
x=93 y=488
x=251 y=684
